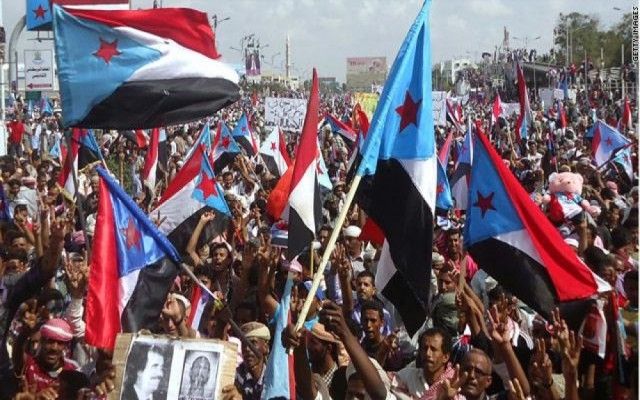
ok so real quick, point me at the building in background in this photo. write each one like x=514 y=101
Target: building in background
x=365 y=74
x=450 y=68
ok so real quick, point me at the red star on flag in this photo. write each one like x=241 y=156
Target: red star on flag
x=40 y=11
x=609 y=142
x=131 y=234
x=207 y=186
x=439 y=188
x=226 y=142
x=408 y=111
x=107 y=50
x=484 y=203
x=273 y=146
x=243 y=129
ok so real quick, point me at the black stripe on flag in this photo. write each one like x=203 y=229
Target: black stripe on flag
x=300 y=236
x=525 y=278
x=149 y=296
x=153 y=103
x=391 y=199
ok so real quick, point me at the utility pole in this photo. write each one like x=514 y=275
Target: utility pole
x=622 y=68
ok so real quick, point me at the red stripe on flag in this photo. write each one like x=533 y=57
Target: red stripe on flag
x=571 y=278
x=195 y=301
x=189 y=28
x=306 y=154
x=151 y=159
x=102 y=306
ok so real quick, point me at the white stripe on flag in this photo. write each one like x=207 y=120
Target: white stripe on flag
x=127 y=285
x=424 y=175
x=301 y=197
x=176 y=61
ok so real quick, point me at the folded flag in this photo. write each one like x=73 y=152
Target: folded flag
x=322 y=171
x=623 y=157
x=132 y=271
x=244 y=136
x=305 y=207
x=496 y=111
x=55 y=151
x=204 y=139
x=279 y=382
x=340 y=128
x=122 y=69
x=445 y=150
x=460 y=179
x=199 y=300
x=151 y=161
x=562 y=116
x=513 y=241
x=30 y=108
x=399 y=174
x=45 y=107
x=605 y=142
x=444 y=200
x=626 y=122
x=525 y=117
x=137 y=137
x=84 y=151
x=225 y=148
x=274 y=153
x=192 y=191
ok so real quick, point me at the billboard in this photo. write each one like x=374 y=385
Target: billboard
x=38 y=12
x=38 y=70
x=363 y=72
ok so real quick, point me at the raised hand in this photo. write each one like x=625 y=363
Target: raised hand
x=207 y=216
x=571 y=352
x=451 y=387
x=541 y=369
x=515 y=390
x=497 y=329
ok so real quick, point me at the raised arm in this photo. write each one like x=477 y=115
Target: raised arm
x=193 y=240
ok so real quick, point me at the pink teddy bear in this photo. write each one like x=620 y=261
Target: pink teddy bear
x=565 y=201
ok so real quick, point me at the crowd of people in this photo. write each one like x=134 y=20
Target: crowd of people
x=478 y=342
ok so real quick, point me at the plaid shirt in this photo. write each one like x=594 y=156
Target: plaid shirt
x=249 y=387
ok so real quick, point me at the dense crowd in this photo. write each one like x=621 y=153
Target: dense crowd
x=478 y=342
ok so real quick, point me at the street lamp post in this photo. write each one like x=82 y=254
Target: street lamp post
x=217 y=21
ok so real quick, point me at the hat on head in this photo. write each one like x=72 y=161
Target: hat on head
x=57 y=329
x=436 y=258
x=256 y=330
x=321 y=333
x=352 y=231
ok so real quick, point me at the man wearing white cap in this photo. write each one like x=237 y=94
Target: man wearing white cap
x=353 y=245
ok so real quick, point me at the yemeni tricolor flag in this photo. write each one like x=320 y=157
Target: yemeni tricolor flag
x=524 y=119
x=133 y=268
x=399 y=173
x=151 y=161
x=192 y=191
x=122 y=69
x=512 y=240
x=204 y=139
x=245 y=138
x=199 y=300
x=305 y=208
x=274 y=153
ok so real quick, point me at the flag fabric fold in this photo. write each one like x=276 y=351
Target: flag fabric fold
x=525 y=117
x=192 y=191
x=606 y=141
x=340 y=128
x=149 y=174
x=398 y=167
x=141 y=71
x=305 y=207
x=274 y=153
x=127 y=243
x=244 y=136
x=225 y=148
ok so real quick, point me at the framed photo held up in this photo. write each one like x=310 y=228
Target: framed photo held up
x=162 y=368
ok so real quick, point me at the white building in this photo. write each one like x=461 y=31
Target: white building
x=450 y=68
